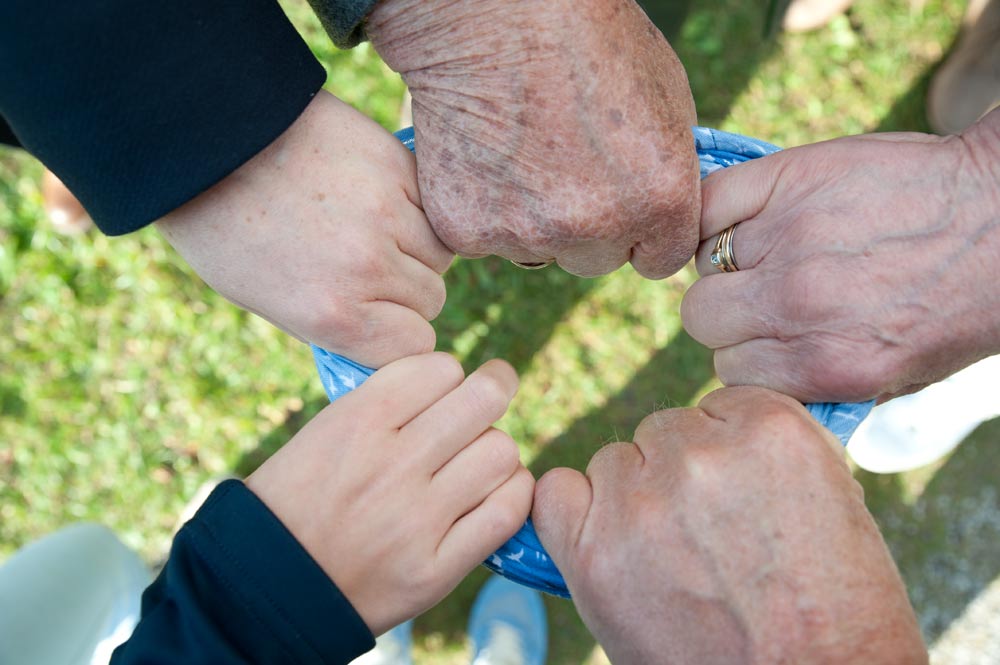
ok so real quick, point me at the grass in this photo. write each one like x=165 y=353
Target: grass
x=125 y=382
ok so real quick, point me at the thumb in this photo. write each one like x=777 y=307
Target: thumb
x=562 y=501
x=738 y=193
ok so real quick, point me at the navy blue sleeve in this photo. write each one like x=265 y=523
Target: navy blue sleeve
x=140 y=106
x=239 y=589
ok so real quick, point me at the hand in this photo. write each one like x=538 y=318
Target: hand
x=728 y=533
x=322 y=234
x=869 y=266
x=548 y=130
x=400 y=488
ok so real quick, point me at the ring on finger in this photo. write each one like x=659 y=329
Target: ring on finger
x=532 y=265
x=722 y=256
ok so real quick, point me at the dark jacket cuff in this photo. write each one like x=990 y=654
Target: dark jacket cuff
x=139 y=107
x=239 y=588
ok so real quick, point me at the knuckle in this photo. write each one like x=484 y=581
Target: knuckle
x=439 y=295
x=421 y=339
x=832 y=373
x=391 y=345
x=441 y=259
x=504 y=519
x=777 y=429
x=504 y=455
x=782 y=416
x=486 y=396
x=610 y=456
x=693 y=311
x=436 y=298
x=656 y=426
x=724 y=370
x=457 y=235
x=444 y=368
x=338 y=322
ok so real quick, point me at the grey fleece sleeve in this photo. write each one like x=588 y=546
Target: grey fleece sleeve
x=343 y=20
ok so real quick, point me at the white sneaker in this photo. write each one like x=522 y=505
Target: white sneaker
x=507 y=625
x=806 y=15
x=915 y=430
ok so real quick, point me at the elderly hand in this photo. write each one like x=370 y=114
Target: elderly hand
x=869 y=266
x=322 y=234
x=548 y=130
x=728 y=533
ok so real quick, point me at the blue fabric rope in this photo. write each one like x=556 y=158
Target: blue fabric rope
x=522 y=558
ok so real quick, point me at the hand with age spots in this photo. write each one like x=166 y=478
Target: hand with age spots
x=323 y=234
x=730 y=533
x=869 y=265
x=548 y=130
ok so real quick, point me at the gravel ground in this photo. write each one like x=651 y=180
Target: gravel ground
x=973 y=638
x=946 y=540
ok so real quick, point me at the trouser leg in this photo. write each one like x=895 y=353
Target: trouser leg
x=69 y=598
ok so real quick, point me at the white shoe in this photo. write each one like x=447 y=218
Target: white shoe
x=806 y=15
x=915 y=430
x=507 y=625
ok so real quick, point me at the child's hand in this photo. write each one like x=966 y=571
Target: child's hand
x=322 y=234
x=401 y=487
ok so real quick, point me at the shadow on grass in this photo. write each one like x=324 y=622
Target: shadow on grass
x=279 y=436
x=945 y=542
x=909 y=112
x=497 y=310
x=720 y=55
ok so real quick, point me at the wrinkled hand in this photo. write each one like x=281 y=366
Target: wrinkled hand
x=398 y=493
x=548 y=130
x=869 y=266
x=322 y=234
x=729 y=533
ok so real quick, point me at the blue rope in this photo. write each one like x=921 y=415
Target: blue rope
x=522 y=558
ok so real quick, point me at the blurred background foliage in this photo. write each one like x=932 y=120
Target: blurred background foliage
x=125 y=382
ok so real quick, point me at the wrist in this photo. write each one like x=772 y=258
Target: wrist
x=979 y=187
x=413 y=35
x=981 y=143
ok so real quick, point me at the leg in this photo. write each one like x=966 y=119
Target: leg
x=967 y=85
x=507 y=625
x=69 y=598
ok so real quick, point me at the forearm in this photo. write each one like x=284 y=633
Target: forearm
x=413 y=34
x=140 y=107
x=479 y=44
x=471 y=60
x=977 y=205
x=238 y=589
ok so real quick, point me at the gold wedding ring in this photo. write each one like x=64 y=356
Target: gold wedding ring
x=533 y=266
x=722 y=256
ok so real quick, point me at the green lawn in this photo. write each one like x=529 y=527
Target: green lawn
x=125 y=382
